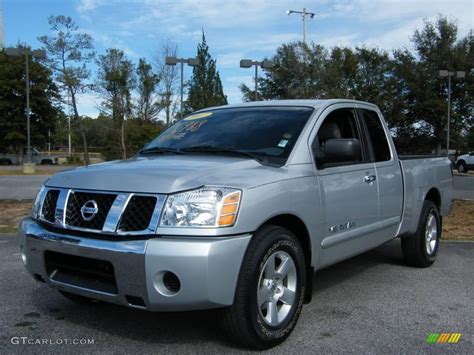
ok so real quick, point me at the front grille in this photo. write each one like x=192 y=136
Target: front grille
x=49 y=205
x=93 y=274
x=137 y=215
x=77 y=200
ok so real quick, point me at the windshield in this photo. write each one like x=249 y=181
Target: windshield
x=267 y=132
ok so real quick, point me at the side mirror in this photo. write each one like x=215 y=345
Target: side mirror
x=340 y=150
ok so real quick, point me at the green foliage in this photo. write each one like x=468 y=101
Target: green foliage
x=205 y=86
x=405 y=85
x=43 y=98
x=116 y=80
x=74 y=160
x=68 y=52
x=148 y=103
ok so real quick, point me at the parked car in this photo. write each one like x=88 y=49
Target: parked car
x=465 y=162
x=235 y=207
x=36 y=157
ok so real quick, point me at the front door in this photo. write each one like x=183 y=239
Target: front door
x=348 y=190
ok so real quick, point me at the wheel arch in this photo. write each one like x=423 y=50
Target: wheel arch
x=299 y=229
x=434 y=196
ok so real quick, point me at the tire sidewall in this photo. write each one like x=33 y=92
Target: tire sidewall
x=278 y=242
x=461 y=168
x=429 y=208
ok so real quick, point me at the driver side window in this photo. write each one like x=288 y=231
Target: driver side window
x=338 y=140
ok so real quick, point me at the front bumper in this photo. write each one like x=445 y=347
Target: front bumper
x=207 y=268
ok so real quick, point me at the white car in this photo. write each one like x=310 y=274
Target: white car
x=465 y=162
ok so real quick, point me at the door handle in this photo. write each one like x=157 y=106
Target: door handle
x=369 y=178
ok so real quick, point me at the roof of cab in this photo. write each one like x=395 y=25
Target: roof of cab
x=306 y=102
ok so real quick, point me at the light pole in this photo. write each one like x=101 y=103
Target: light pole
x=248 y=63
x=449 y=74
x=37 y=53
x=192 y=62
x=303 y=13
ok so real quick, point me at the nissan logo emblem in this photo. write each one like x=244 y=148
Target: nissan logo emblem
x=89 y=210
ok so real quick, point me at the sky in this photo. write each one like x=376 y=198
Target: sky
x=234 y=29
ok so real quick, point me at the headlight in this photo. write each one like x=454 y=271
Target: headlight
x=35 y=210
x=205 y=207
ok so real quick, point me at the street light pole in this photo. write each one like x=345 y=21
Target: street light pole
x=449 y=74
x=303 y=13
x=28 y=130
x=192 y=62
x=247 y=63
x=256 y=82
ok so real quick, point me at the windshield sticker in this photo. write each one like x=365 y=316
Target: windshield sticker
x=178 y=131
x=197 y=116
x=283 y=143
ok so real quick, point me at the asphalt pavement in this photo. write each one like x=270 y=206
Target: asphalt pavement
x=370 y=304
x=25 y=187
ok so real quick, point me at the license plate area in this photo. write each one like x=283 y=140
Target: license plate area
x=87 y=273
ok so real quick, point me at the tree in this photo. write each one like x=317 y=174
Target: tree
x=205 y=86
x=68 y=52
x=424 y=93
x=116 y=80
x=168 y=74
x=43 y=99
x=148 y=105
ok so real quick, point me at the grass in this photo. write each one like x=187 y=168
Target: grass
x=458 y=225
x=11 y=212
x=20 y=172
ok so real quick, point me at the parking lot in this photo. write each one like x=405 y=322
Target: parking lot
x=372 y=303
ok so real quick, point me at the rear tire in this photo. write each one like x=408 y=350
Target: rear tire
x=462 y=167
x=5 y=161
x=77 y=298
x=270 y=290
x=421 y=249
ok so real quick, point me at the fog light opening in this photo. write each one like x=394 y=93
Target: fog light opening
x=171 y=282
x=167 y=283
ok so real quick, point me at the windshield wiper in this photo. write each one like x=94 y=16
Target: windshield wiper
x=225 y=150
x=159 y=150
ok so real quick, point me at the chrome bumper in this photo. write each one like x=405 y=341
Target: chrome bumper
x=207 y=269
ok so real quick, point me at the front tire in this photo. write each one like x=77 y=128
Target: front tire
x=270 y=290
x=421 y=249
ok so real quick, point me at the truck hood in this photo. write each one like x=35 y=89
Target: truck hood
x=170 y=173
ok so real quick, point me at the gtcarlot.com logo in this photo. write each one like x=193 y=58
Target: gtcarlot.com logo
x=48 y=341
x=450 y=338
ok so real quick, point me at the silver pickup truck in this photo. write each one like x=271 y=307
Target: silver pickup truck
x=236 y=207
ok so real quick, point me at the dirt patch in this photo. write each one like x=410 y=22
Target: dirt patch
x=11 y=212
x=459 y=224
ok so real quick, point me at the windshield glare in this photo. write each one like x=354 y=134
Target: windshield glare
x=267 y=131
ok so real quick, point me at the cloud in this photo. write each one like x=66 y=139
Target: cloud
x=89 y=5
x=88 y=104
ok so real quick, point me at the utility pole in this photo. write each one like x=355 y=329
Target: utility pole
x=449 y=74
x=247 y=63
x=303 y=13
x=41 y=54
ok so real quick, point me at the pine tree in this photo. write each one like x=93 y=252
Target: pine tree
x=205 y=86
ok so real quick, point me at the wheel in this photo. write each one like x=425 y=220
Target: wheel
x=270 y=290
x=462 y=167
x=5 y=161
x=77 y=298
x=420 y=249
x=46 y=162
